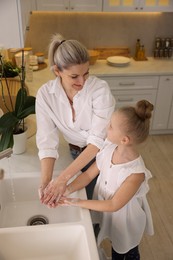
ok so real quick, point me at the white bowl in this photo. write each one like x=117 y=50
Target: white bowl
x=118 y=61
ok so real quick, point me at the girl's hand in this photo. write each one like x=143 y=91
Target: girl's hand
x=41 y=192
x=69 y=201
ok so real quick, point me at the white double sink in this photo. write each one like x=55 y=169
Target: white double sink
x=67 y=235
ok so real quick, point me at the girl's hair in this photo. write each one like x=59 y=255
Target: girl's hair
x=137 y=122
x=65 y=53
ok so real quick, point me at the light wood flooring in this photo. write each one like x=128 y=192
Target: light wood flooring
x=158 y=156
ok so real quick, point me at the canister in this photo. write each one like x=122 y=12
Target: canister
x=40 y=57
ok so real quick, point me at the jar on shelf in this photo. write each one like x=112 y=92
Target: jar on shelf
x=40 y=57
x=29 y=50
x=157 y=43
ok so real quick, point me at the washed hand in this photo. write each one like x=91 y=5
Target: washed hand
x=41 y=192
x=53 y=192
x=69 y=201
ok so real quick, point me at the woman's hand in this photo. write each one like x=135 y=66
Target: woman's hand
x=53 y=192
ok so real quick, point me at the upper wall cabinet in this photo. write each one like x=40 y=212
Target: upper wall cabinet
x=70 y=5
x=26 y=6
x=137 y=6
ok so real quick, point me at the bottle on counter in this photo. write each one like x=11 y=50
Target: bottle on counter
x=29 y=73
x=138 y=44
x=170 y=52
x=141 y=53
x=157 y=43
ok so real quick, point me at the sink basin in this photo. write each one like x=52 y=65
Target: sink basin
x=19 y=203
x=61 y=242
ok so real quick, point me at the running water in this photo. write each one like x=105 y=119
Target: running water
x=11 y=181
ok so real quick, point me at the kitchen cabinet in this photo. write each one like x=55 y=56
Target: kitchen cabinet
x=129 y=90
x=70 y=5
x=163 y=112
x=137 y=5
x=170 y=122
x=26 y=7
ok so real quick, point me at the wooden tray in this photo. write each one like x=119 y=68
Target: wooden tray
x=104 y=53
x=42 y=66
x=144 y=59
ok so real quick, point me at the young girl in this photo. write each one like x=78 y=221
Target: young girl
x=122 y=185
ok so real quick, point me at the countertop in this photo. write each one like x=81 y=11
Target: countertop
x=151 y=66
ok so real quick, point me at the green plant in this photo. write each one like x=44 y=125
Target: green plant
x=9 y=70
x=12 y=122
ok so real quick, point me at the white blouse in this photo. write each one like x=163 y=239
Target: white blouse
x=126 y=226
x=93 y=107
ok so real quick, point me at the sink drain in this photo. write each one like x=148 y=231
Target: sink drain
x=37 y=220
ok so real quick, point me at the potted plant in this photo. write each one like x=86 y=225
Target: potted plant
x=12 y=121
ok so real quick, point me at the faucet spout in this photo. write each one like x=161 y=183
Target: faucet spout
x=6 y=153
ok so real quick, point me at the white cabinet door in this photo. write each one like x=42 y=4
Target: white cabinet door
x=163 y=103
x=130 y=98
x=86 y=5
x=126 y=97
x=70 y=5
x=53 y=5
x=26 y=7
x=132 y=82
x=138 y=5
x=170 y=123
x=129 y=90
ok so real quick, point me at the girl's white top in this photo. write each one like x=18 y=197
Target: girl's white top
x=126 y=226
x=93 y=107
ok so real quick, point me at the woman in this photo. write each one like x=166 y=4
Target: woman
x=77 y=105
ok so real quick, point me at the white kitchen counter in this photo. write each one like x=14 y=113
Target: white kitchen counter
x=101 y=68
x=135 y=68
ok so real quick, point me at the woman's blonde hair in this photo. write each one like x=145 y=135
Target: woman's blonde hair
x=137 y=120
x=65 y=53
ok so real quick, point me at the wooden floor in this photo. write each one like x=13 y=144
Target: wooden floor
x=158 y=156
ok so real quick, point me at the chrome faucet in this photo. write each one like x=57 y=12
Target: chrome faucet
x=4 y=154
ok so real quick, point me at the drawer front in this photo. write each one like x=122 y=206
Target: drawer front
x=120 y=83
x=126 y=98
x=170 y=123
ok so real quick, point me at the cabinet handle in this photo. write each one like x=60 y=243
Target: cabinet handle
x=127 y=84
x=167 y=79
x=125 y=99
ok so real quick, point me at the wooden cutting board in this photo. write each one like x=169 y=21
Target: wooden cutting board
x=104 y=53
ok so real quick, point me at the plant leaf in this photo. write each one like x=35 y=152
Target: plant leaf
x=28 y=108
x=20 y=100
x=8 y=121
x=6 y=140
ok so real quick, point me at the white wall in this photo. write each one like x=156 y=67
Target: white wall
x=10 y=27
